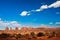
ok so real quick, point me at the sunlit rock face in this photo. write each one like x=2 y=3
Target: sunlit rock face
x=25 y=30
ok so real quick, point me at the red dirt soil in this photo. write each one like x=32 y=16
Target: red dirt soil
x=54 y=38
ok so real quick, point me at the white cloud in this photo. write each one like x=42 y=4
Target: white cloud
x=53 y=5
x=12 y=24
x=38 y=10
x=15 y=23
x=24 y=13
x=51 y=23
x=28 y=14
x=43 y=26
x=3 y=23
x=0 y=18
x=44 y=7
x=57 y=23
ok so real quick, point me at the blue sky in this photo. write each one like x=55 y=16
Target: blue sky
x=30 y=12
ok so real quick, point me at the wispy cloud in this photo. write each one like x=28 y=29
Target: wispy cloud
x=9 y=24
x=57 y=23
x=57 y=12
x=41 y=8
x=51 y=23
x=53 y=5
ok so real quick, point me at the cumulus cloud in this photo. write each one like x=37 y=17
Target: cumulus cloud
x=41 y=8
x=53 y=5
x=25 y=13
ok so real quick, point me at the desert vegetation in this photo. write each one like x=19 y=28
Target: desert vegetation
x=31 y=36
x=47 y=35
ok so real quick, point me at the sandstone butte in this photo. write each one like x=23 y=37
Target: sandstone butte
x=25 y=30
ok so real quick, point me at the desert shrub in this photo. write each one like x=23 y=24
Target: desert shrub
x=40 y=34
x=46 y=33
x=27 y=35
x=52 y=34
x=58 y=33
x=33 y=35
x=18 y=35
x=4 y=35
